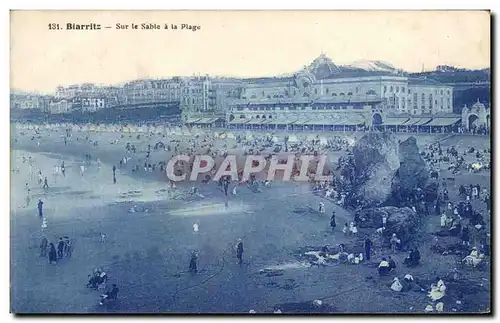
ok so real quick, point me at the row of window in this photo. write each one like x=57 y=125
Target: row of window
x=280 y=96
x=294 y=108
x=396 y=89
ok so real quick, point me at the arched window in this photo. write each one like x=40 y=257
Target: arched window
x=268 y=96
x=242 y=116
x=270 y=117
x=350 y=93
x=257 y=117
x=334 y=94
x=253 y=97
x=371 y=92
x=342 y=94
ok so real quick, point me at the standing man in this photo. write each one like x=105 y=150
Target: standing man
x=114 y=174
x=368 y=248
x=333 y=223
x=60 y=248
x=239 y=251
x=45 y=184
x=40 y=208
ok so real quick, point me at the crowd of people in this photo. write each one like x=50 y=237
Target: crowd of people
x=458 y=216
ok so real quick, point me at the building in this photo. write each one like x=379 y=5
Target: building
x=27 y=101
x=323 y=96
x=92 y=104
x=58 y=106
x=477 y=116
x=148 y=91
x=207 y=100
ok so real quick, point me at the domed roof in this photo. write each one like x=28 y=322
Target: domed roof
x=323 y=67
x=478 y=105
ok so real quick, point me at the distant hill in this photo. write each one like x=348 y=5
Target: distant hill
x=457 y=76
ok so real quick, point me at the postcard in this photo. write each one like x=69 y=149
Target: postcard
x=250 y=162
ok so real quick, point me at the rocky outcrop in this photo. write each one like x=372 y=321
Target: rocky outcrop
x=413 y=170
x=376 y=159
x=402 y=221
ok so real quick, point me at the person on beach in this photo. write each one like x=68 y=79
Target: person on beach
x=43 y=247
x=52 y=254
x=40 y=208
x=60 y=248
x=239 y=251
x=45 y=183
x=28 y=198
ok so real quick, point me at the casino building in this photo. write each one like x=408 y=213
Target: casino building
x=327 y=97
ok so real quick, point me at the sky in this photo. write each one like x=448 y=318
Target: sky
x=235 y=43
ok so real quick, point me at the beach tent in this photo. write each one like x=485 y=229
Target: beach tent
x=292 y=138
x=323 y=141
x=275 y=139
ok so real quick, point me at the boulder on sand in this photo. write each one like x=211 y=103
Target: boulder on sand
x=401 y=221
x=376 y=159
x=413 y=170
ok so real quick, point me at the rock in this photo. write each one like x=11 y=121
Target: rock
x=376 y=159
x=402 y=221
x=413 y=170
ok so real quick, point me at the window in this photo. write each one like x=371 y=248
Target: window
x=315 y=91
x=397 y=89
x=392 y=89
x=326 y=91
x=334 y=94
x=441 y=92
x=342 y=94
x=263 y=94
x=448 y=92
x=350 y=93
x=385 y=88
x=431 y=102
x=403 y=89
x=242 y=116
x=357 y=89
x=371 y=92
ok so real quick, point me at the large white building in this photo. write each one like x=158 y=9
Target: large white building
x=324 y=94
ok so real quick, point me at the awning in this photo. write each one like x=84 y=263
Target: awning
x=395 y=121
x=205 y=121
x=256 y=121
x=193 y=120
x=299 y=122
x=317 y=122
x=422 y=122
x=443 y=121
x=280 y=121
x=412 y=122
x=239 y=121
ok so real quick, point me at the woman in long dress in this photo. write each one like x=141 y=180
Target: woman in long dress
x=52 y=254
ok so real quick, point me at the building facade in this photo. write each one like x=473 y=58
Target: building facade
x=324 y=93
x=27 y=101
x=58 y=106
